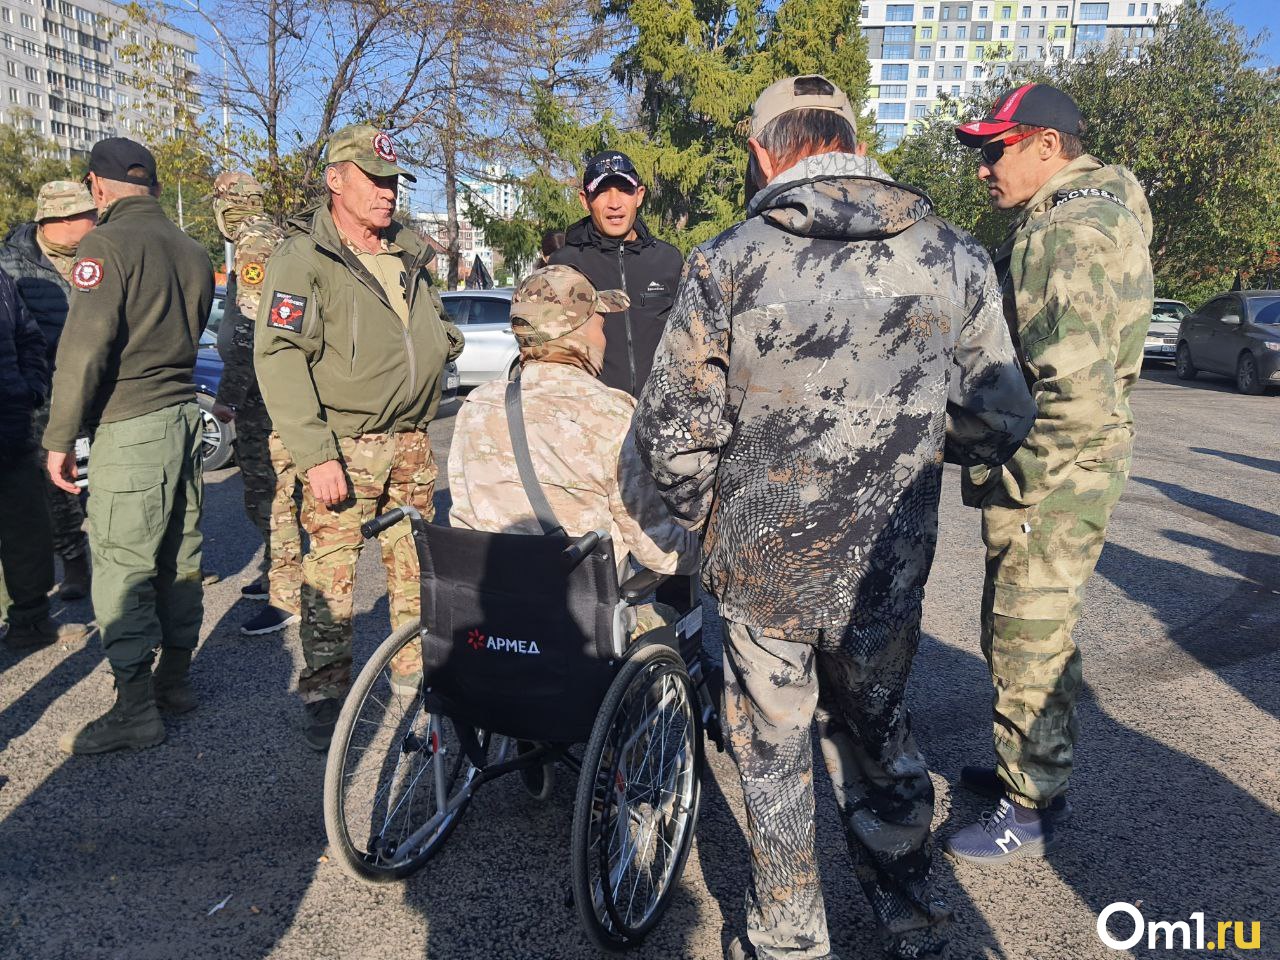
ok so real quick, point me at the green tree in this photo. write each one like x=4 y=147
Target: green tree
x=27 y=160
x=1192 y=117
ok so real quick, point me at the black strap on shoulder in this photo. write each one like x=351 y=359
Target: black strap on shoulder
x=524 y=463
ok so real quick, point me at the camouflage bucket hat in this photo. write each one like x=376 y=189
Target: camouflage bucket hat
x=555 y=301
x=369 y=149
x=63 y=198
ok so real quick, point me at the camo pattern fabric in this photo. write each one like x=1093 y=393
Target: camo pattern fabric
x=818 y=359
x=556 y=300
x=66 y=512
x=853 y=682
x=383 y=471
x=1078 y=296
x=584 y=455
x=270 y=486
x=256 y=238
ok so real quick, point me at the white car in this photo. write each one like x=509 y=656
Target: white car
x=1162 y=335
x=484 y=317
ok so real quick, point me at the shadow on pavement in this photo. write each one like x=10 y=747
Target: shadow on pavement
x=1271 y=466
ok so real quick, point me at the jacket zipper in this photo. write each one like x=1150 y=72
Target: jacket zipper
x=355 y=329
x=626 y=321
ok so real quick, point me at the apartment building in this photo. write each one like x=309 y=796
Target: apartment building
x=922 y=51
x=68 y=71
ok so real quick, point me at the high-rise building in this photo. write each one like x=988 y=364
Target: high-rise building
x=496 y=191
x=922 y=51
x=70 y=71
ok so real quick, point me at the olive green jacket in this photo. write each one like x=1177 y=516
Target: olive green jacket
x=141 y=292
x=332 y=357
x=1077 y=283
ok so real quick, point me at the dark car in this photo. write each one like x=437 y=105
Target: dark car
x=1237 y=335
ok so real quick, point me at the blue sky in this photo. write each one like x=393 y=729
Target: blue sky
x=1256 y=15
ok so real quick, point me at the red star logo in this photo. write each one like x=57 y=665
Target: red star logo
x=476 y=639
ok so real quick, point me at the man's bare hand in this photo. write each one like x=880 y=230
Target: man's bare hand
x=328 y=482
x=62 y=471
x=223 y=413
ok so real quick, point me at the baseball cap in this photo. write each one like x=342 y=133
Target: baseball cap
x=555 y=301
x=796 y=93
x=607 y=165
x=368 y=148
x=114 y=157
x=1033 y=104
x=63 y=198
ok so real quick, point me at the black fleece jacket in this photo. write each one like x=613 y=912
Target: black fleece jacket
x=648 y=269
x=24 y=373
x=43 y=291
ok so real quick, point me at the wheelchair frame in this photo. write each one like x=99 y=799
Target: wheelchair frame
x=612 y=781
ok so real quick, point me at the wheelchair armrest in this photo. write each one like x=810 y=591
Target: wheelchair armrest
x=577 y=551
x=635 y=588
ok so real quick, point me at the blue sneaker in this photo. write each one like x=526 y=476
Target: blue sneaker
x=1006 y=833
x=985 y=783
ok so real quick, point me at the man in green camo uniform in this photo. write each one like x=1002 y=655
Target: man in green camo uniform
x=142 y=292
x=1077 y=285
x=266 y=470
x=350 y=345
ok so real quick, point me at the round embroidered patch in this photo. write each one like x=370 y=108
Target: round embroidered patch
x=383 y=147
x=87 y=273
x=252 y=273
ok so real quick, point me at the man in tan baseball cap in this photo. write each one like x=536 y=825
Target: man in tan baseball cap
x=369 y=148
x=577 y=430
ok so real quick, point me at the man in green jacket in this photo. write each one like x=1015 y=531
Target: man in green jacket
x=349 y=348
x=141 y=292
x=1076 y=275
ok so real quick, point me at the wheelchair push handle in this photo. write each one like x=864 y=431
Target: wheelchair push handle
x=371 y=528
x=577 y=551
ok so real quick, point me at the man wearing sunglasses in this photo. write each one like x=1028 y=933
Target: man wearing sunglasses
x=613 y=247
x=1076 y=279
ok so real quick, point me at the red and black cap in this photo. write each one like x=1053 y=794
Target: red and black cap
x=1035 y=105
x=119 y=158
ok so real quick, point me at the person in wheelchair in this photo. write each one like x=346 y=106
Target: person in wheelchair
x=579 y=437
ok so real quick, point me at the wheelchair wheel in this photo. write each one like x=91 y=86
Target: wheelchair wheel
x=397 y=780
x=637 y=798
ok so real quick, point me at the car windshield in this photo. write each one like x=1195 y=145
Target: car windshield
x=1265 y=310
x=1169 y=311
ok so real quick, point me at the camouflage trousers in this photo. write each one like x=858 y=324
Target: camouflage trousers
x=853 y=684
x=383 y=471
x=271 y=501
x=66 y=512
x=1038 y=562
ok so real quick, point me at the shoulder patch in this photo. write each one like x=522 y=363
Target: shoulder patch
x=87 y=273
x=287 y=310
x=1062 y=196
x=253 y=273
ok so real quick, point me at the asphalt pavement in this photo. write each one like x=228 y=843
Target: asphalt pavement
x=212 y=845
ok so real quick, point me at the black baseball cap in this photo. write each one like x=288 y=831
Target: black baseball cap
x=1034 y=105
x=607 y=165
x=114 y=157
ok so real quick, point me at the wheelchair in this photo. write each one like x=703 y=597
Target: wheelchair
x=528 y=663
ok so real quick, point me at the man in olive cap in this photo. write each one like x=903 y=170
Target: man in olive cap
x=38 y=256
x=270 y=482
x=350 y=344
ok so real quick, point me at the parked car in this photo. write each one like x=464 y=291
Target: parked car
x=1162 y=335
x=218 y=436
x=1237 y=335
x=484 y=317
x=1170 y=308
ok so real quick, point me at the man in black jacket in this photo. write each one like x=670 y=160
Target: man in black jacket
x=39 y=256
x=26 y=542
x=615 y=250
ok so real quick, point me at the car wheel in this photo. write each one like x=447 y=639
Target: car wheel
x=1247 y=379
x=1182 y=365
x=218 y=436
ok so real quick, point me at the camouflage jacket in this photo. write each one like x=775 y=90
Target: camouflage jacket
x=818 y=358
x=255 y=240
x=585 y=457
x=1076 y=277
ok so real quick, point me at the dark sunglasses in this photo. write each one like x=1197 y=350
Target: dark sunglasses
x=607 y=167
x=993 y=151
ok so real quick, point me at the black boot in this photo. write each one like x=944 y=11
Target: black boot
x=172 y=681
x=133 y=723
x=75 y=578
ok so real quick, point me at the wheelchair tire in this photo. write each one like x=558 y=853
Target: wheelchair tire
x=382 y=809
x=637 y=800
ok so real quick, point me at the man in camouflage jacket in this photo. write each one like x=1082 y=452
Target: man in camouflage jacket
x=819 y=359
x=270 y=481
x=1077 y=290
